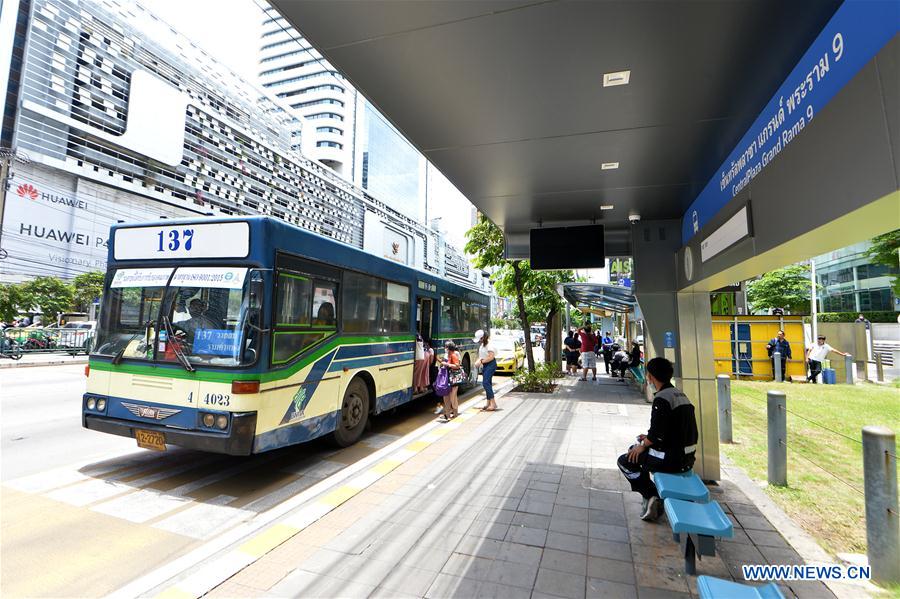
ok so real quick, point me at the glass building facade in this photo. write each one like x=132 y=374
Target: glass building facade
x=850 y=282
x=391 y=167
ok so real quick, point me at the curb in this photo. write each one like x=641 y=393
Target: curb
x=194 y=574
x=49 y=362
x=796 y=537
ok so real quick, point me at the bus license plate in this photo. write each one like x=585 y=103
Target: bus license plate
x=150 y=440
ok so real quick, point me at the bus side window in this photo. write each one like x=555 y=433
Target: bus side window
x=396 y=308
x=362 y=303
x=324 y=307
x=294 y=297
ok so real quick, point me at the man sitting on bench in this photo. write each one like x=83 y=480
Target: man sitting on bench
x=670 y=444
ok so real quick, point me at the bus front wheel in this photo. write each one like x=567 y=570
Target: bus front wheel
x=354 y=413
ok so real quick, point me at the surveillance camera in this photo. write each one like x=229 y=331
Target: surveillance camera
x=634 y=217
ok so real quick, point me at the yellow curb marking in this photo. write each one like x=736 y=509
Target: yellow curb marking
x=385 y=466
x=176 y=593
x=266 y=541
x=417 y=446
x=340 y=495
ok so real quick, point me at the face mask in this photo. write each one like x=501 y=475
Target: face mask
x=653 y=388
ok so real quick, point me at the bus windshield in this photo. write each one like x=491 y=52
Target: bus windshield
x=204 y=315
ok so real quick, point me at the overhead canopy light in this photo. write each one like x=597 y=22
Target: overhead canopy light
x=607 y=207
x=617 y=78
x=608 y=166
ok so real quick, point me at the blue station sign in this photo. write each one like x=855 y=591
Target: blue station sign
x=858 y=30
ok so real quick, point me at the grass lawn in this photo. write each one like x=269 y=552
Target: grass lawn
x=830 y=510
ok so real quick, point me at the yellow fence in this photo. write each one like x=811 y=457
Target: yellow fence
x=739 y=345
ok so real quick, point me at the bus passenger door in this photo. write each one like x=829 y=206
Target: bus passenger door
x=424 y=315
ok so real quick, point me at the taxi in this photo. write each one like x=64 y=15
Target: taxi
x=510 y=354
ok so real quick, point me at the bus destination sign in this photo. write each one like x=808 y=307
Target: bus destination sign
x=195 y=240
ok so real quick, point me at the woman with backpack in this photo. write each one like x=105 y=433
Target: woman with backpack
x=452 y=361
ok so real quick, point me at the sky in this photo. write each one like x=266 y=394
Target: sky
x=229 y=30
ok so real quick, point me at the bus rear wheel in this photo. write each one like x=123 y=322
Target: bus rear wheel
x=354 y=414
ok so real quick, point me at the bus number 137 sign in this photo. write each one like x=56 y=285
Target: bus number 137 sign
x=190 y=240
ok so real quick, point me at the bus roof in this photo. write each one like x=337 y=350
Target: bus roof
x=266 y=236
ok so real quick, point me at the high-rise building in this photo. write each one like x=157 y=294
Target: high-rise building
x=292 y=70
x=111 y=115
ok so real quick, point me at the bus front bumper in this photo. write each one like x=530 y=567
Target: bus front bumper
x=238 y=441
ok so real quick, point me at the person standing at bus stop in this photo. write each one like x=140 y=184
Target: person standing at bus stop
x=606 y=344
x=781 y=345
x=453 y=361
x=816 y=354
x=588 y=357
x=487 y=359
x=572 y=346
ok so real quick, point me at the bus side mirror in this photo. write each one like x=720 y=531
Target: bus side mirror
x=256 y=289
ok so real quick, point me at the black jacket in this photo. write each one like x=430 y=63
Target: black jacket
x=673 y=429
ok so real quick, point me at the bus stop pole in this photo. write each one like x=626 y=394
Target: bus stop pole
x=723 y=385
x=849 y=367
x=777 y=437
x=882 y=512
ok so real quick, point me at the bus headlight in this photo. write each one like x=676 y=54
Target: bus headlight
x=222 y=421
x=101 y=404
x=208 y=420
x=91 y=403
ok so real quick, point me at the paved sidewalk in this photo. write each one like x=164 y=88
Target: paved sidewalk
x=524 y=502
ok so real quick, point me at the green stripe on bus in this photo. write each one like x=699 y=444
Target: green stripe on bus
x=226 y=377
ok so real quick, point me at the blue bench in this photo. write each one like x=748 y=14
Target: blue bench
x=696 y=526
x=716 y=588
x=638 y=373
x=686 y=486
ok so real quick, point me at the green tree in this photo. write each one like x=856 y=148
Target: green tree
x=787 y=288
x=10 y=298
x=50 y=294
x=485 y=243
x=886 y=250
x=88 y=287
x=535 y=291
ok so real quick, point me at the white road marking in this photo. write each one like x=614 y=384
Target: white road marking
x=320 y=469
x=141 y=506
x=205 y=519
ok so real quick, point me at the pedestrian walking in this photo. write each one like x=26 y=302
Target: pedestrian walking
x=588 y=357
x=670 y=444
x=572 y=345
x=816 y=354
x=781 y=345
x=487 y=359
x=606 y=344
x=453 y=361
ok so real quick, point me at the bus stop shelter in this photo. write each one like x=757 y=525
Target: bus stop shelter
x=714 y=141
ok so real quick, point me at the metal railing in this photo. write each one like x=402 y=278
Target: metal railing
x=45 y=340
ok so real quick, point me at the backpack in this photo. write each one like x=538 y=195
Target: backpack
x=442 y=382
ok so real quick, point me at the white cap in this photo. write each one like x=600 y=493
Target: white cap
x=479 y=335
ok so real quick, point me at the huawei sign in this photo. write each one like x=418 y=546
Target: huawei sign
x=27 y=191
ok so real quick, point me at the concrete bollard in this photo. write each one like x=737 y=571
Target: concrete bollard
x=849 y=368
x=882 y=512
x=777 y=435
x=879 y=368
x=776 y=364
x=723 y=386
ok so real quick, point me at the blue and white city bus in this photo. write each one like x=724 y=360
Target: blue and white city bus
x=242 y=335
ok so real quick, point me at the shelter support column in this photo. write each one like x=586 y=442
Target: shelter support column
x=678 y=326
x=698 y=376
